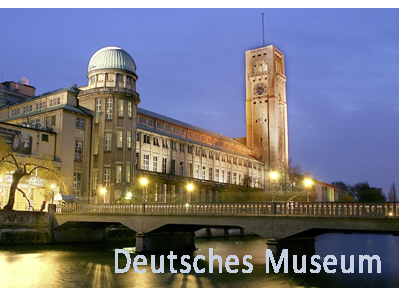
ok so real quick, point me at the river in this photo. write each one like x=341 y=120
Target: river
x=93 y=265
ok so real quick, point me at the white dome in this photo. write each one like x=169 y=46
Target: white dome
x=112 y=58
x=23 y=80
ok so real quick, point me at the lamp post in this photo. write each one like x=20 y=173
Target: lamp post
x=273 y=175
x=103 y=191
x=52 y=189
x=308 y=183
x=143 y=181
x=189 y=187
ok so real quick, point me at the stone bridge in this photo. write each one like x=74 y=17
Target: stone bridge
x=168 y=226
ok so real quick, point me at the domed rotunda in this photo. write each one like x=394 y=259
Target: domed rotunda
x=112 y=67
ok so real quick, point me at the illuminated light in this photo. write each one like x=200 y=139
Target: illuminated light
x=273 y=175
x=129 y=195
x=307 y=182
x=103 y=190
x=187 y=205
x=390 y=214
x=190 y=187
x=143 y=181
x=53 y=186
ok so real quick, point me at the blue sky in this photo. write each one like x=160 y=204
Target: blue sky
x=342 y=69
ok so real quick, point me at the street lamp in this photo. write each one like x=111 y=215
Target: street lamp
x=143 y=181
x=308 y=183
x=189 y=187
x=273 y=175
x=103 y=191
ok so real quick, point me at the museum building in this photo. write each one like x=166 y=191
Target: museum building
x=99 y=136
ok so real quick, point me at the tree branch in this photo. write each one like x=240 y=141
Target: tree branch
x=26 y=197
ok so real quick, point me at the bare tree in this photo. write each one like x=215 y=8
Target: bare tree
x=289 y=176
x=25 y=166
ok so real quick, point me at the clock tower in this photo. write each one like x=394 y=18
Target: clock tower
x=266 y=108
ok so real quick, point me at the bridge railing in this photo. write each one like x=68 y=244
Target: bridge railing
x=319 y=209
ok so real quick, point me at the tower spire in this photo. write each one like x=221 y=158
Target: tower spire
x=262 y=17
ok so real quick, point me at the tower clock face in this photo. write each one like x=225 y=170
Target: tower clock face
x=260 y=89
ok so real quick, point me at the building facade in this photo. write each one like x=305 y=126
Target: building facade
x=103 y=141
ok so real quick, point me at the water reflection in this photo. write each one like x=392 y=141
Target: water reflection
x=93 y=265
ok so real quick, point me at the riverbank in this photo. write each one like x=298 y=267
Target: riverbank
x=24 y=227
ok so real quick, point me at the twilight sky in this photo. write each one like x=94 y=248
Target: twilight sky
x=342 y=69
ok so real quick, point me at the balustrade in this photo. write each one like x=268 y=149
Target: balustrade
x=329 y=209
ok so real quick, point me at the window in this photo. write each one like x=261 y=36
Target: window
x=98 y=111
x=189 y=149
x=118 y=171
x=106 y=177
x=96 y=145
x=196 y=171
x=165 y=143
x=107 y=141
x=155 y=164
x=146 y=138
x=210 y=173
x=172 y=167
x=217 y=175
x=109 y=109
x=119 y=139
x=173 y=145
x=150 y=122
x=228 y=178
x=129 y=109
x=203 y=173
x=181 y=168
x=78 y=150
x=129 y=80
x=129 y=139
x=146 y=162
x=164 y=165
x=156 y=141
x=45 y=137
x=128 y=173
x=223 y=176
x=142 y=120
x=137 y=136
x=77 y=184
x=190 y=169
x=234 y=178
x=80 y=123
x=181 y=147
x=50 y=121
x=95 y=180
x=120 y=110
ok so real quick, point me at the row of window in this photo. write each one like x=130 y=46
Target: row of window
x=108 y=140
x=44 y=103
x=110 y=77
x=106 y=178
x=109 y=109
x=149 y=122
x=213 y=175
x=198 y=151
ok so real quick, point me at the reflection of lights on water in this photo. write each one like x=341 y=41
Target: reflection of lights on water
x=102 y=277
x=190 y=281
